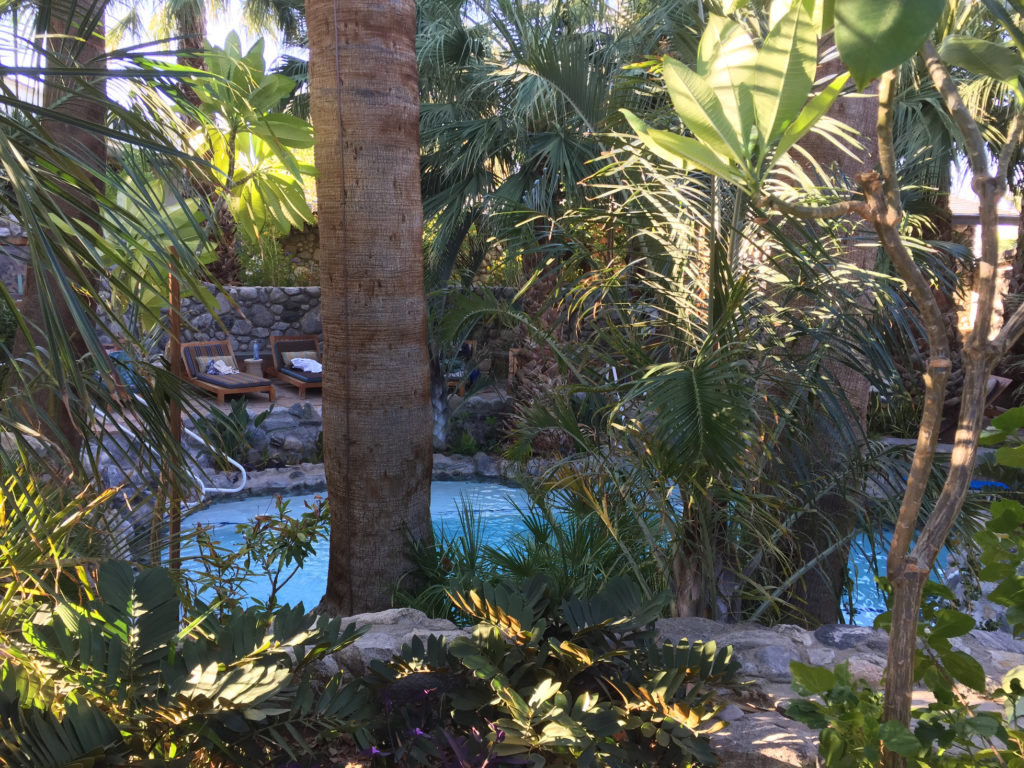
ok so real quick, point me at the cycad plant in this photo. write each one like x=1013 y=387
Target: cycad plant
x=112 y=676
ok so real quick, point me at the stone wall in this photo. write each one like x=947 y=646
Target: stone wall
x=302 y=247
x=259 y=312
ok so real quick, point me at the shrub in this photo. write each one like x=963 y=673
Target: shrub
x=111 y=675
x=551 y=681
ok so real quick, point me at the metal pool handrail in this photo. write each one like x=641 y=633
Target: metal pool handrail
x=204 y=489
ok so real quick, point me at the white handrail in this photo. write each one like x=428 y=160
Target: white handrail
x=204 y=489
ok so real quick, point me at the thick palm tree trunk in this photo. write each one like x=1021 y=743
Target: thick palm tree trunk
x=377 y=423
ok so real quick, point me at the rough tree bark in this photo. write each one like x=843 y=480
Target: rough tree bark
x=377 y=422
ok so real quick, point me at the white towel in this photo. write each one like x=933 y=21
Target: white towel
x=307 y=365
x=219 y=368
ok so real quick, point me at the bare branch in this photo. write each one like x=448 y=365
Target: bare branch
x=974 y=144
x=886 y=149
x=833 y=211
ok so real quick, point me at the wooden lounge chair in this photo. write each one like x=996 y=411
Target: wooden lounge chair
x=283 y=349
x=197 y=354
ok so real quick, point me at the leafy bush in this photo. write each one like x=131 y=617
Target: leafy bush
x=229 y=434
x=112 y=675
x=274 y=547
x=951 y=731
x=547 y=681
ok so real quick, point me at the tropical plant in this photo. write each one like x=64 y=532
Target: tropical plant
x=273 y=548
x=112 y=676
x=254 y=171
x=566 y=681
x=893 y=38
x=229 y=435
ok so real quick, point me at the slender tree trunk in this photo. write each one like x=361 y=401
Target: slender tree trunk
x=75 y=36
x=377 y=420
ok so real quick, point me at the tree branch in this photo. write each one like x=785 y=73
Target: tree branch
x=886 y=145
x=833 y=211
x=974 y=144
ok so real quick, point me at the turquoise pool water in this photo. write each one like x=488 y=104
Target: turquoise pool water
x=496 y=504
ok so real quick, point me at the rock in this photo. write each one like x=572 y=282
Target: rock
x=453 y=467
x=844 y=637
x=486 y=466
x=310 y=322
x=770 y=662
x=689 y=628
x=387 y=632
x=303 y=412
x=867 y=667
x=730 y=713
x=202 y=322
x=241 y=327
x=259 y=316
x=765 y=740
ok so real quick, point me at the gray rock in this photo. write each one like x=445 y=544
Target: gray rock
x=241 y=327
x=202 y=322
x=844 y=637
x=765 y=740
x=246 y=293
x=689 y=628
x=310 y=322
x=259 y=316
x=770 y=662
x=302 y=412
x=486 y=466
x=387 y=632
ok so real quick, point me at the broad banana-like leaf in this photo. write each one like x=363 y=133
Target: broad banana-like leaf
x=984 y=58
x=288 y=130
x=810 y=114
x=683 y=152
x=726 y=58
x=701 y=111
x=874 y=36
x=784 y=73
x=270 y=91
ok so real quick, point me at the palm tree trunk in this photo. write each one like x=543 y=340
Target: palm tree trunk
x=377 y=420
x=74 y=37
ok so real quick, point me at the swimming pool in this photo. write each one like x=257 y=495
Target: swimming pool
x=496 y=505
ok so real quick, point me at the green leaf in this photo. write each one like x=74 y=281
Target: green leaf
x=812 y=679
x=899 y=739
x=965 y=668
x=1010 y=421
x=700 y=110
x=950 y=623
x=726 y=58
x=810 y=114
x=807 y=712
x=982 y=57
x=682 y=151
x=874 y=36
x=1011 y=456
x=784 y=72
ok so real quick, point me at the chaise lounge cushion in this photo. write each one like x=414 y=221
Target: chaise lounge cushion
x=233 y=380
x=295 y=373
